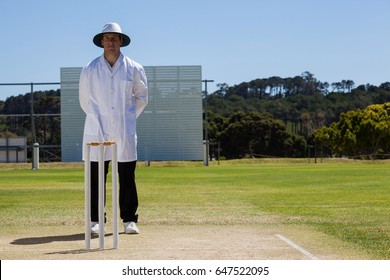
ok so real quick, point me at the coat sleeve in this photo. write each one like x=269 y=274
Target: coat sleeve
x=83 y=91
x=140 y=90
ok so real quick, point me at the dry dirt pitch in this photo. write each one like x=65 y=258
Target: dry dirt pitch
x=177 y=242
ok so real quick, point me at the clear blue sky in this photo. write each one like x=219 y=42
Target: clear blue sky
x=233 y=41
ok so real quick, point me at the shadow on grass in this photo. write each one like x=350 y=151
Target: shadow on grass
x=58 y=238
x=78 y=251
x=49 y=239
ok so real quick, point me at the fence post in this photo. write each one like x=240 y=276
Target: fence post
x=35 y=160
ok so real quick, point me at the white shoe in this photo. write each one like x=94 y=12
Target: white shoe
x=95 y=228
x=131 y=228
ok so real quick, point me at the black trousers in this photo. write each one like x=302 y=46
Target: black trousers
x=128 y=198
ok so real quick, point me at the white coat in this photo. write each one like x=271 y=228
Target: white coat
x=112 y=99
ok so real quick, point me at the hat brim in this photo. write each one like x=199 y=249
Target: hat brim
x=97 y=40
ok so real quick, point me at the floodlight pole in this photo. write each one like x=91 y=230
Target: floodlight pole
x=33 y=134
x=206 y=136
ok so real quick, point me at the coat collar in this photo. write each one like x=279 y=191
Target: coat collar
x=106 y=66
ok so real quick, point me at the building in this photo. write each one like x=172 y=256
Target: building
x=170 y=128
x=13 y=149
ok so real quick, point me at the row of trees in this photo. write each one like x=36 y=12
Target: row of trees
x=358 y=134
x=300 y=105
x=277 y=87
x=306 y=99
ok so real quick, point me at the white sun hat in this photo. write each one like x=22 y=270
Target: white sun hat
x=111 y=27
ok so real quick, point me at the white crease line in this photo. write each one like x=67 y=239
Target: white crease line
x=295 y=246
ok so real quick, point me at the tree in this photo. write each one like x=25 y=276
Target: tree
x=310 y=83
x=223 y=88
x=359 y=132
x=253 y=133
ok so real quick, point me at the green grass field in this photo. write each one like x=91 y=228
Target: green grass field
x=347 y=200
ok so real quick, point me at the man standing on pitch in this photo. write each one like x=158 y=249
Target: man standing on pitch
x=113 y=92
